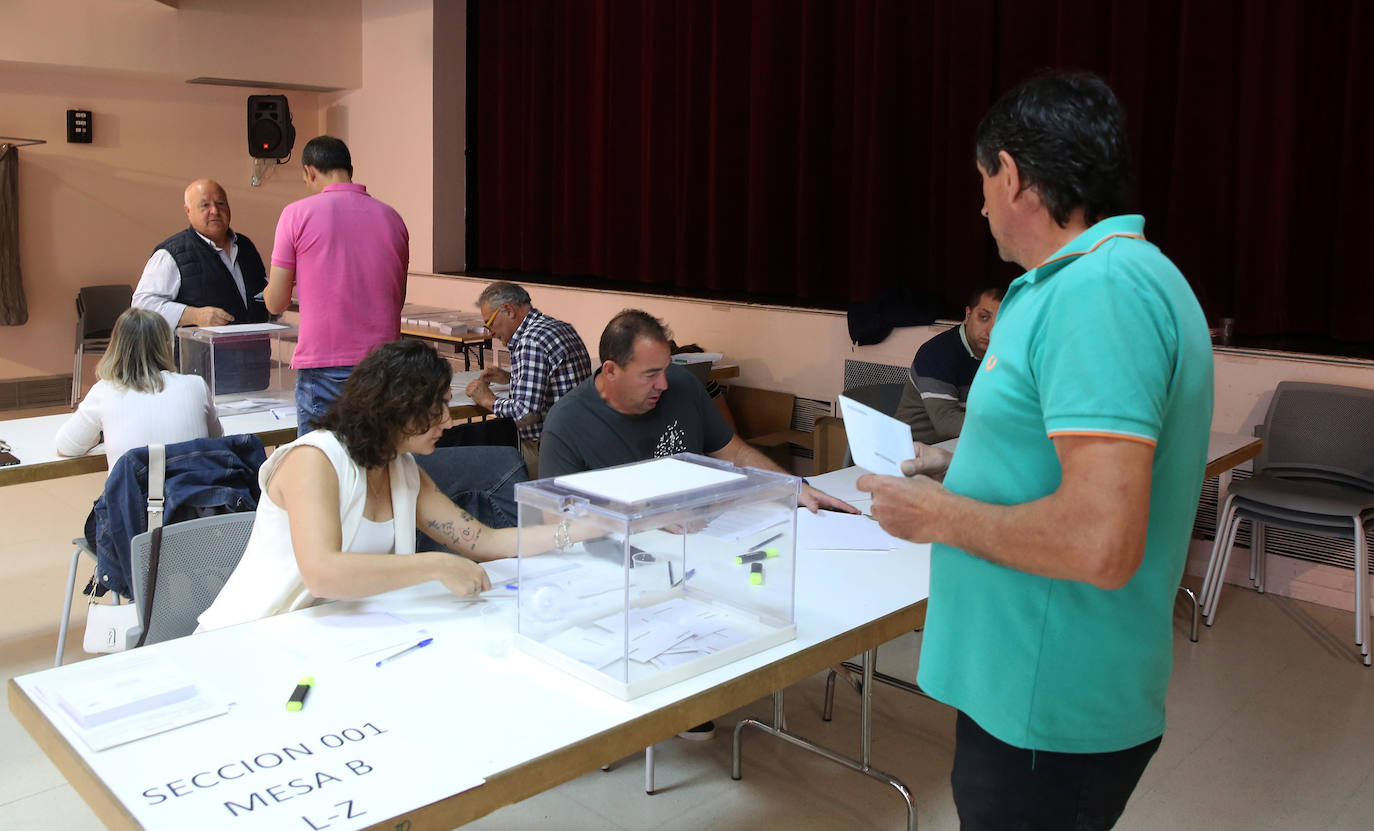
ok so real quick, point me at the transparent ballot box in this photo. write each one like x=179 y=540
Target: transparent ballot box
x=247 y=367
x=639 y=576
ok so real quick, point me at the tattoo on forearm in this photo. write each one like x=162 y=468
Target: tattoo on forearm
x=465 y=535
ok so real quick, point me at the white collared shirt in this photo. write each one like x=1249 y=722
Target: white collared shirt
x=161 y=281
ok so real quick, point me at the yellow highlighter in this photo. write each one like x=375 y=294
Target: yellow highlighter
x=756 y=556
x=297 y=699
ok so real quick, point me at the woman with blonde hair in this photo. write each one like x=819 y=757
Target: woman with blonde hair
x=140 y=399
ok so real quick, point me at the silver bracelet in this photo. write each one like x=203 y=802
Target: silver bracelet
x=561 y=538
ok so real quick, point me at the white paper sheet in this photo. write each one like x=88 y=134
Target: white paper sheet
x=592 y=646
x=878 y=442
x=147 y=697
x=348 y=632
x=243 y=328
x=507 y=570
x=243 y=405
x=831 y=529
x=647 y=480
x=749 y=520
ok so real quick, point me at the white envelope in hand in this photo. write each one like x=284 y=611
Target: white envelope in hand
x=878 y=442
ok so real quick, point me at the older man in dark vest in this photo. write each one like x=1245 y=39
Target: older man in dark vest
x=206 y=275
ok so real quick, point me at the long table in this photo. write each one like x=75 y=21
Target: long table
x=479 y=343
x=516 y=723
x=34 y=440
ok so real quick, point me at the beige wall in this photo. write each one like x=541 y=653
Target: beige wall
x=388 y=123
x=803 y=352
x=302 y=42
x=790 y=350
x=91 y=213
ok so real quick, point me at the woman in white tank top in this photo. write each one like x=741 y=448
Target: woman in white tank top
x=339 y=501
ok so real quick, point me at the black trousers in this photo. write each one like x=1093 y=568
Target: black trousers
x=998 y=787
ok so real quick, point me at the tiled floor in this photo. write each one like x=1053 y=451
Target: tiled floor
x=1270 y=726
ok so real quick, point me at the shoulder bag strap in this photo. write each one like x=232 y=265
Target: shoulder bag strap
x=157 y=475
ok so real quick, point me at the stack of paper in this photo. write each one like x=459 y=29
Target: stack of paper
x=851 y=532
x=647 y=480
x=673 y=632
x=148 y=696
x=746 y=521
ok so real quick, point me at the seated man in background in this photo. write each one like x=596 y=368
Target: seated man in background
x=547 y=359
x=205 y=275
x=936 y=390
x=639 y=406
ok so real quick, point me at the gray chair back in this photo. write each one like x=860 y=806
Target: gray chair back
x=196 y=560
x=1319 y=431
x=97 y=308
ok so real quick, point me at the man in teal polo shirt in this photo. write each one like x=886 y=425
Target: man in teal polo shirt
x=1062 y=524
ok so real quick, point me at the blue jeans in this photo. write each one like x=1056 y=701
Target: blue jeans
x=480 y=480
x=316 y=389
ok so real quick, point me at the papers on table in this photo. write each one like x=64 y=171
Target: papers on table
x=665 y=635
x=672 y=632
x=244 y=328
x=746 y=521
x=243 y=405
x=697 y=357
x=847 y=491
x=146 y=697
x=348 y=632
x=647 y=480
x=877 y=441
x=509 y=569
x=831 y=529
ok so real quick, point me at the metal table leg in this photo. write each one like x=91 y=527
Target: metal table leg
x=862 y=765
x=1192 y=634
x=649 y=769
x=827 y=710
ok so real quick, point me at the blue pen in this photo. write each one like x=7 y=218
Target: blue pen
x=512 y=586
x=408 y=649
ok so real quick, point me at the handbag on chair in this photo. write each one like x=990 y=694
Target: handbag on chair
x=108 y=624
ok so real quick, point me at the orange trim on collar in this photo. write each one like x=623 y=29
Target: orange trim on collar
x=1090 y=250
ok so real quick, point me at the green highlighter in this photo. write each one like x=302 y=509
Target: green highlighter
x=297 y=699
x=756 y=556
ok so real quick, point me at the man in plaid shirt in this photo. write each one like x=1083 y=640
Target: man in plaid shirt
x=547 y=359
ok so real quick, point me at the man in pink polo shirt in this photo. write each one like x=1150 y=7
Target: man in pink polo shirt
x=346 y=255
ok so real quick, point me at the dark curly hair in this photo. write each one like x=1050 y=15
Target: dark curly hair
x=1067 y=133
x=396 y=391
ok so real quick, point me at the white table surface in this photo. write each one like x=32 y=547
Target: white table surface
x=33 y=440
x=449 y=706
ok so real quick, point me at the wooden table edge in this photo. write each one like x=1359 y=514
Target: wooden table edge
x=1238 y=456
x=108 y=809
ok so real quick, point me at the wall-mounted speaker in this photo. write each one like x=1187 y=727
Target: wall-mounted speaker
x=270 y=134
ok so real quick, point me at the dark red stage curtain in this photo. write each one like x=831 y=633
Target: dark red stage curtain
x=822 y=149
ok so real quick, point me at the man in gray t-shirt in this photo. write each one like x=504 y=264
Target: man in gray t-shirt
x=639 y=406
